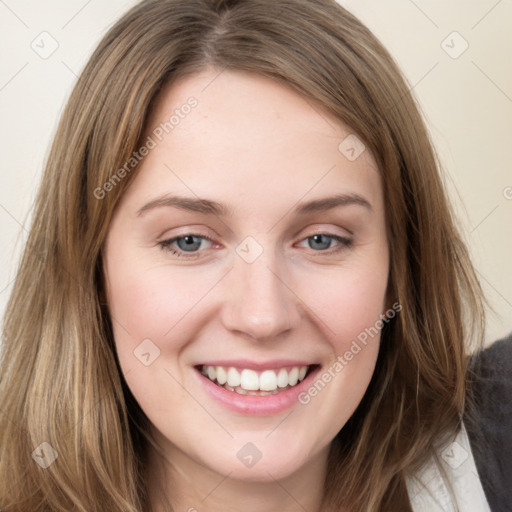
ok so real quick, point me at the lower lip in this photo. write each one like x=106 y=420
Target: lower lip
x=256 y=405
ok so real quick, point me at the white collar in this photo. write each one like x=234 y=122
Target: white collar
x=428 y=491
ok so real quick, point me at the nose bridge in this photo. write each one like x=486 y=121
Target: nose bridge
x=259 y=302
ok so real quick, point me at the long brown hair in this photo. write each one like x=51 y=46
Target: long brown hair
x=60 y=381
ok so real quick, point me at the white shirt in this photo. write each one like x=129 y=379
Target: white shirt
x=428 y=491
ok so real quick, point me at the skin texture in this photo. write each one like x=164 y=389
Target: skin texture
x=261 y=148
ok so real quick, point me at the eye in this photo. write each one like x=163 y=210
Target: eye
x=323 y=241
x=187 y=245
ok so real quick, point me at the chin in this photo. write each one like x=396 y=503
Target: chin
x=261 y=460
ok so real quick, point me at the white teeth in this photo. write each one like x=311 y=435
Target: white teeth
x=268 y=380
x=248 y=381
x=212 y=373
x=282 y=378
x=233 y=378
x=293 y=376
x=222 y=376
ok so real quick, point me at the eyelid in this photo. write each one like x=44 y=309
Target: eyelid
x=325 y=231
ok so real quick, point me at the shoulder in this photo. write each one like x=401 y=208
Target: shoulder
x=495 y=361
x=488 y=420
x=490 y=387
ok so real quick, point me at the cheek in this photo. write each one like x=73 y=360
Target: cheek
x=150 y=302
x=149 y=305
x=153 y=301
x=347 y=304
x=161 y=303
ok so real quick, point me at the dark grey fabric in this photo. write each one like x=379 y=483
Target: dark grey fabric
x=488 y=421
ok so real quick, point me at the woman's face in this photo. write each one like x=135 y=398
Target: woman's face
x=250 y=247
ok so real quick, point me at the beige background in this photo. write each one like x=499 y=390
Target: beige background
x=466 y=98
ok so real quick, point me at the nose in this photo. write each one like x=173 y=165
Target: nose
x=260 y=304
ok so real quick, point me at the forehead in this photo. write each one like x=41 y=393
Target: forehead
x=249 y=137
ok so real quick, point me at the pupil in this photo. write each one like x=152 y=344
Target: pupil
x=189 y=243
x=317 y=240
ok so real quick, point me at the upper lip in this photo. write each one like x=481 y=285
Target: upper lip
x=256 y=365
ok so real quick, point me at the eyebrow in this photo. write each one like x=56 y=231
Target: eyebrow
x=209 y=207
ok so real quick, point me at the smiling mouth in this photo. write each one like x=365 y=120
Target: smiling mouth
x=256 y=383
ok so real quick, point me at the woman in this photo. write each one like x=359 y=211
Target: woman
x=187 y=331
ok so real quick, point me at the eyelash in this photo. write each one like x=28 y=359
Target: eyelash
x=166 y=244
